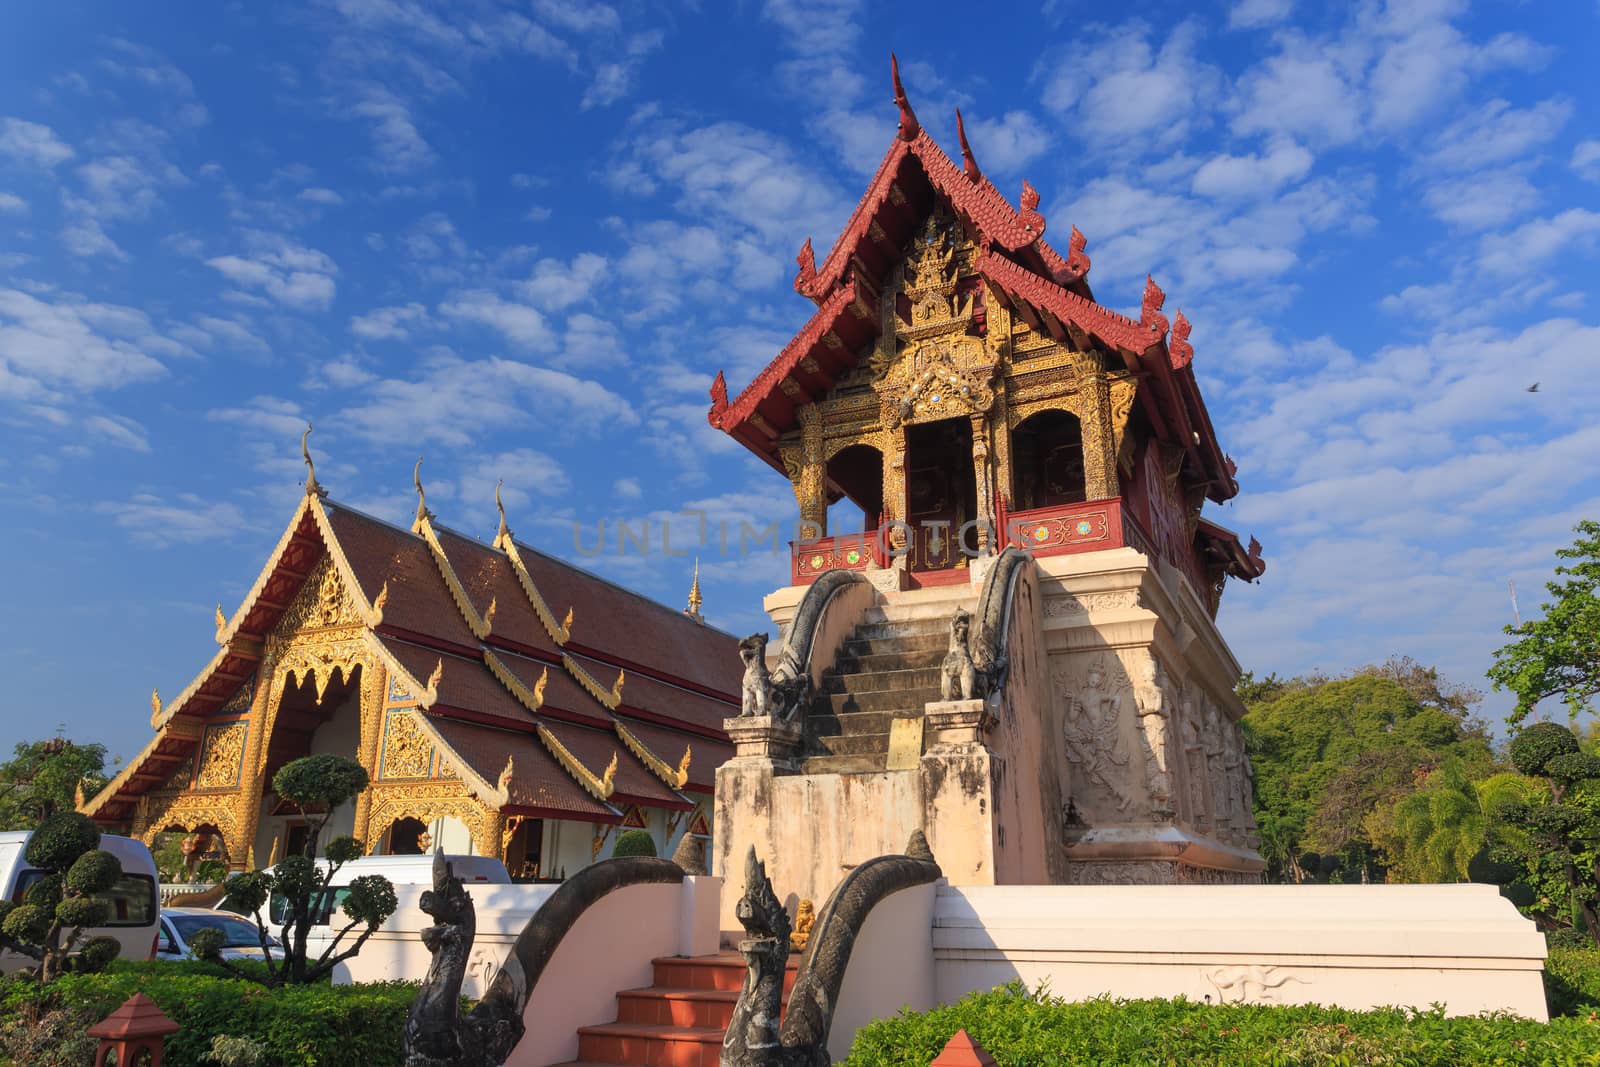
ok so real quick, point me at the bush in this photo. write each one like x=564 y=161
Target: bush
x=1020 y=1027
x=1537 y=744
x=634 y=843
x=1572 y=980
x=301 y=1026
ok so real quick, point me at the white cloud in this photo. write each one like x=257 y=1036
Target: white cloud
x=1539 y=239
x=118 y=430
x=1586 y=160
x=389 y=323
x=1481 y=201
x=1123 y=88
x=627 y=488
x=398 y=147
x=1227 y=176
x=1254 y=14
x=1305 y=90
x=12 y=204
x=289 y=273
x=613 y=80
x=318 y=195
x=75 y=345
x=1496 y=132
x=531 y=478
x=32 y=142
x=554 y=285
x=155 y=522
x=1007 y=143
x=519 y=323
x=268 y=416
x=456 y=401
x=578 y=18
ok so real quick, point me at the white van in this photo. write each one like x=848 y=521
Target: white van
x=135 y=907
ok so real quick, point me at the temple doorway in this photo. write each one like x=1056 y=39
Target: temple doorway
x=857 y=473
x=405 y=837
x=941 y=493
x=1047 y=462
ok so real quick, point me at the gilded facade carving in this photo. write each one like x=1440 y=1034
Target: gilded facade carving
x=407 y=750
x=430 y=800
x=222 y=755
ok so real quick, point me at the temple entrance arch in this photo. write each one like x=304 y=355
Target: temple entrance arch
x=1047 y=461
x=857 y=472
x=411 y=835
x=405 y=837
x=941 y=494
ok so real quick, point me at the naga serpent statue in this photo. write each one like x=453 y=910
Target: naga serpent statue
x=754 y=1037
x=436 y=1033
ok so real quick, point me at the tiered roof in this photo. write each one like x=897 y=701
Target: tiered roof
x=619 y=703
x=1046 y=290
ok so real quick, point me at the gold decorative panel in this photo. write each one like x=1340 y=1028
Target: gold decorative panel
x=407 y=751
x=322 y=601
x=222 y=755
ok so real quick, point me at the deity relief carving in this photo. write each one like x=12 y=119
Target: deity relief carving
x=1092 y=726
x=221 y=756
x=1191 y=730
x=1215 y=748
x=1155 y=707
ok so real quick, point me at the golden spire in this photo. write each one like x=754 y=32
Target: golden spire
x=155 y=705
x=312 y=486
x=504 y=533
x=695 y=599
x=423 y=514
x=222 y=620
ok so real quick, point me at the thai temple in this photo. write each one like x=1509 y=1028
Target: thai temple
x=959 y=384
x=503 y=703
x=1014 y=650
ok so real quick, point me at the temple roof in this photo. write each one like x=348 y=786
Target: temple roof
x=468 y=630
x=1047 y=291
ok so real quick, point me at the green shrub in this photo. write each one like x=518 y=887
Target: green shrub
x=634 y=843
x=1019 y=1027
x=1572 y=980
x=1537 y=744
x=300 y=1026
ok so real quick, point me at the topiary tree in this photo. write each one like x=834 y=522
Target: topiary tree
x=48 y=924
x=634 y=843
x=316 y=785
x=1560 y=837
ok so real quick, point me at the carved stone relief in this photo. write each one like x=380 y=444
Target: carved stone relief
x=1152 y=696
x=1095 y=701
x=1250 y=983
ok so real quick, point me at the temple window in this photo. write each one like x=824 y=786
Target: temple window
x=1047 y=461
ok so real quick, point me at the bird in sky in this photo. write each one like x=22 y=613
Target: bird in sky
x=1534 y=388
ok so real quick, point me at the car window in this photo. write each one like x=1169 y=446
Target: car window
x=132 y=898
x=278 y=910
x=236 y=932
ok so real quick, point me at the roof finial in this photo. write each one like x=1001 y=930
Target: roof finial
x=423 y=514
x=909 y=127
x=312 y=487
x=1077 y=262
x=1029 y=203
x=1150 y=315
x=719 y=400
x=504 y=533
x=695 y=599
x=806 y=277
x=968 y=163
x=1179 y=348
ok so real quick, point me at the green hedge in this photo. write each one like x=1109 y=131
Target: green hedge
x=1019 y=1027
x=1572 y=981
x=303 y=1026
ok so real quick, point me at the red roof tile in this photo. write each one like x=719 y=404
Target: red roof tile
x=537 y=780
x=596 y=748
x=418 y=600
x=667 y=745
x=487 y=575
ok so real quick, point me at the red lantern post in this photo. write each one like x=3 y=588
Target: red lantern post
x=133 y=1035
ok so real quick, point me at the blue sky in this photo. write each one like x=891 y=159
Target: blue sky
x=520 y=239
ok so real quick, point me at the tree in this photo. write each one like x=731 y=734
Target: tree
x=1563 y=833
x=634 y=843
x=48 y=924
x=1558 y=655
x=1432 y=834
x=1329 y=752
x=43 y=778
x=317 y=785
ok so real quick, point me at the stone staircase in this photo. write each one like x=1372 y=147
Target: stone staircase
x=679 y=1021
x=888 y=669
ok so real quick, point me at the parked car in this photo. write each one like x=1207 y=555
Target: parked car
x=135 y=912
x=241 y=939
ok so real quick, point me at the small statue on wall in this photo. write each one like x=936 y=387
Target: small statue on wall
x=755 y=692
x=1151 y=698
x=1194 y=753
x=1093 y=731
x=1217 y=795
x=958 y=676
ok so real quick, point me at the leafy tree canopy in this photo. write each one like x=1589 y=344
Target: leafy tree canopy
x=1559 y=655
x=43 y=777
x=1329 y=752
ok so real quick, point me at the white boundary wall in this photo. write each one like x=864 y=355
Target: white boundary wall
x=1463 y=946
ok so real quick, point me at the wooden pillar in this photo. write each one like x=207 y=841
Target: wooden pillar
x=1094 y=416
x=813 y=473
x=894 y=482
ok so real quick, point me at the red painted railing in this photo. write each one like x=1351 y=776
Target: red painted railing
x=1066 y=528
x=850 y=552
